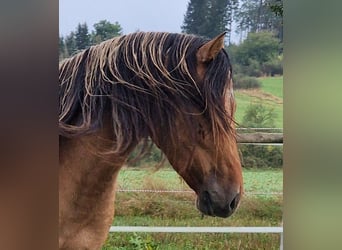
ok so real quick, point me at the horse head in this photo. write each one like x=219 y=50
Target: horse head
x=205 y=154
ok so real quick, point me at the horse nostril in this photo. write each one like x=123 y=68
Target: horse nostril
x=206 y=197
x=218 y=204
x=233 y=204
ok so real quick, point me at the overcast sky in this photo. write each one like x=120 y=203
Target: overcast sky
x=133 y=15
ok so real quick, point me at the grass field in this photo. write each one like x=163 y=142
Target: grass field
x=270 y=94
x=167 y=179
x=178 y=209
x=273 y=85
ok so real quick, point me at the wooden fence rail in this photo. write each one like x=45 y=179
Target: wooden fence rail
x=260 y=137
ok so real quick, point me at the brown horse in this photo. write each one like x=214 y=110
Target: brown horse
x=173 y=88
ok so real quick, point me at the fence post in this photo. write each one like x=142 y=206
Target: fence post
x=281 y=240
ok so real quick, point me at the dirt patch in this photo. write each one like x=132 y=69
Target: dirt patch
x=257 y=93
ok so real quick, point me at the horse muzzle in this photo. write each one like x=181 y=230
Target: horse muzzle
x=212 y=203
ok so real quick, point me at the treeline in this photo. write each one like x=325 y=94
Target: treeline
x=81 y=38
x=211 y=17
x=260 y=54
x=259 y=23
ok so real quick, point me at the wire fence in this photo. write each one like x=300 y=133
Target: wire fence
x=188 y=191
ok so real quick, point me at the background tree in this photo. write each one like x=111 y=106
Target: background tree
x=257 y=54
x=104 y=30
x=261 y=46
x=258 y=15
x=255 y=156
x=62 y=48
x=277 y=7
x=82 y=37
x=232 y=8
x=220 y=17
x=259 y=116
x=70 y=44
x=195 y=17
x=209 y=17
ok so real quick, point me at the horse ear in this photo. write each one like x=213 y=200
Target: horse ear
x=209 y=50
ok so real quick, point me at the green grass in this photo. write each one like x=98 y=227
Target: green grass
x=192 y=241
x=272 y=86
x=164 y=179
x=178 y=209
x=263 y=180
x=167 y=179
x=242 y=102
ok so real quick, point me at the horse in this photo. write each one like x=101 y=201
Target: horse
x=175 y=90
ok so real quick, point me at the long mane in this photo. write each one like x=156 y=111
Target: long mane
x=142 y=82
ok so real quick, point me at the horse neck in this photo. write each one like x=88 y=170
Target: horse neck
x=87 y=180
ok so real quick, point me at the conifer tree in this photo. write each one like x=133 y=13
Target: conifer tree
x=260 y=15
x=104 y=30
x=209 y=17
x=70 y=44
x=195 y=17
x=61 y=48
x=82 y=36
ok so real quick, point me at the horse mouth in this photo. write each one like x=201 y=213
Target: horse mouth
x=210 y=207
x=205 y=205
